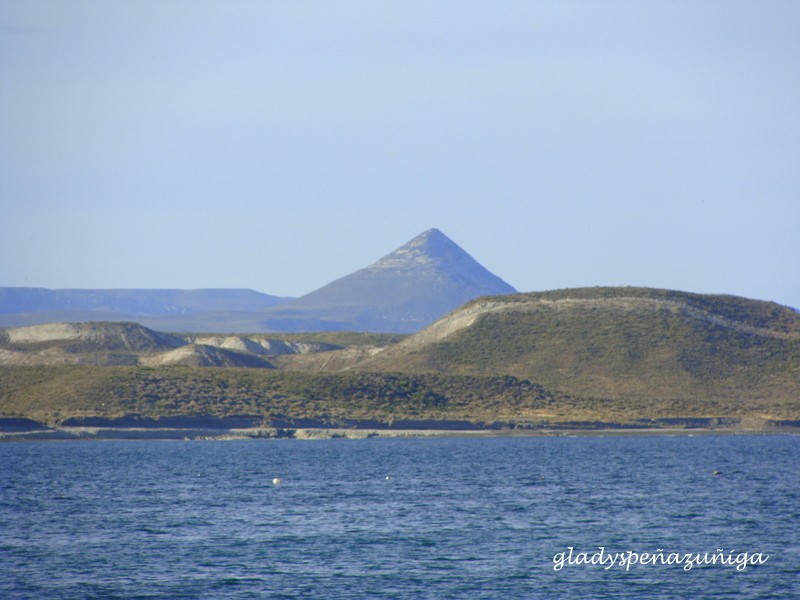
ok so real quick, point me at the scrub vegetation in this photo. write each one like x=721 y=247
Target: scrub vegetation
x=612 y=355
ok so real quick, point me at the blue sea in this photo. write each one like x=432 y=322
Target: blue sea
x=403 y=518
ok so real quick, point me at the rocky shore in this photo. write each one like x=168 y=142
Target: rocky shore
x=204 y=428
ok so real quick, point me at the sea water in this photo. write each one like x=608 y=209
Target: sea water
x=504 y=517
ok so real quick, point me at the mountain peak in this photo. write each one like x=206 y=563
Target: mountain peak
x=430 y=248
x=430 y=232
x=402 y=292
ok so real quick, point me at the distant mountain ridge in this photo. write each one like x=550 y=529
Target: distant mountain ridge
x=402 y=292
x=32 y=306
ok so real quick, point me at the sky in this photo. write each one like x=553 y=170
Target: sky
x=278 y=145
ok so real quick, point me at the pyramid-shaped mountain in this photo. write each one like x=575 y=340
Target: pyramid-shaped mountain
x=401 y=293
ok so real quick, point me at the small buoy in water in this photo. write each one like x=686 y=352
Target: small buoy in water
x=276 y=481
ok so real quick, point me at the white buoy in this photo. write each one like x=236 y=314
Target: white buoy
x=276 y=481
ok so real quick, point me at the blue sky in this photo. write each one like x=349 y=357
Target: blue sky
x=280 y=145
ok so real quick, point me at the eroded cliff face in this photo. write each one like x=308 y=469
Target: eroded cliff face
x=262 y=345
x=132 y=344
x=200 y=355
x=130 y=336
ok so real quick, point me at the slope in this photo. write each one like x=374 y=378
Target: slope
x=200 y=355
x=631 y=345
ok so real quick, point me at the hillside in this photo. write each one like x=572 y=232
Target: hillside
x=53 y=394
x=402 y=292
x=635 y=346
x=626 y=357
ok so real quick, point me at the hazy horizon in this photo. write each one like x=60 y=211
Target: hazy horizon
x=279 y=146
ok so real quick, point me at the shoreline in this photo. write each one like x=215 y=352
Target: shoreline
x=316 y=433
